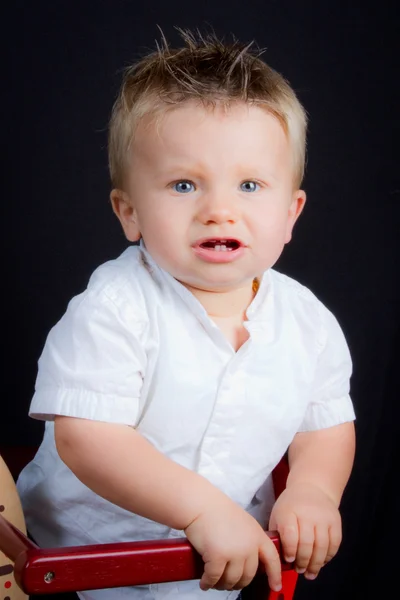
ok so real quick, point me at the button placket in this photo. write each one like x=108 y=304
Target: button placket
x=214 y=461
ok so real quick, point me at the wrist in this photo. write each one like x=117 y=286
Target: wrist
x=315 y=486
x=210 y=499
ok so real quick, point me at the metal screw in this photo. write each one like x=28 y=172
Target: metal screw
x=49 y=576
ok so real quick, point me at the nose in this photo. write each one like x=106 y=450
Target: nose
x=217 y=208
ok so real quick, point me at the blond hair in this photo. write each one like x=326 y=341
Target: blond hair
x=211 y=72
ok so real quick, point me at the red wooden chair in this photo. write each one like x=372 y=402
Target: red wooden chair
x=56 y=570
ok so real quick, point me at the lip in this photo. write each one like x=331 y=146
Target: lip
x=213 y=256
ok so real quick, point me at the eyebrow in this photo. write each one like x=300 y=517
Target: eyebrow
x=181 y=170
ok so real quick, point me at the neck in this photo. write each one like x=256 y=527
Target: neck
x=227 y=303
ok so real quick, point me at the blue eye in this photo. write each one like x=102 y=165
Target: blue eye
x=183 y=187
x=249 y=186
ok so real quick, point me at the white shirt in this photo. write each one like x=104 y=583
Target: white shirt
x=136 y=347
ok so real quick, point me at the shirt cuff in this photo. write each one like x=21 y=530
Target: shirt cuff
x=84 y=404
x=328 y=414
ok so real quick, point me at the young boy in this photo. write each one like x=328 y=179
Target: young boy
x=175 y=383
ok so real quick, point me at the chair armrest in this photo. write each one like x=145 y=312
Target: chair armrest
x=55 y=570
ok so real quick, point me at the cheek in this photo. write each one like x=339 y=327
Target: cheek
x=162 y=225
x=272 y=224
x=271 y=233
x=163 y=233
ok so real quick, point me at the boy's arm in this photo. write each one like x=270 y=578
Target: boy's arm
x=323 y=458
x=306 y=514
x=120 y=465
x=117 y=463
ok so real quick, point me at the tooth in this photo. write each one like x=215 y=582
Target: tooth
x=217 y=247
x=223 y=248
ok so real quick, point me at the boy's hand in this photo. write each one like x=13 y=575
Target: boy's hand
x=232 y=544
x=309 y=524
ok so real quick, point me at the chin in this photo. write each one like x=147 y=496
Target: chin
x=217 y=285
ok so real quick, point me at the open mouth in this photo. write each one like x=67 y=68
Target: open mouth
x=221 y=245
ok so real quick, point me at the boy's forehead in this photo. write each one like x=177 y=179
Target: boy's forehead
x=184 y=128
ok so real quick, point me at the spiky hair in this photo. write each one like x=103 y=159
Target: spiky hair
x=210 y=71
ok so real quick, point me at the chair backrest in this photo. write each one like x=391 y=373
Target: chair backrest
x=56 y=570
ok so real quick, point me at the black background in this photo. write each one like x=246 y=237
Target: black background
x=60 y=76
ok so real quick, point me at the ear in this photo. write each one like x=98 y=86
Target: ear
x=295 y=210
x=126 y=213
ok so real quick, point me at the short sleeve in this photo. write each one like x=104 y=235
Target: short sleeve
x=330 y=403
x=93 y=363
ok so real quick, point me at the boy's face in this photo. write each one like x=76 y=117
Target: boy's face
x=211 y=193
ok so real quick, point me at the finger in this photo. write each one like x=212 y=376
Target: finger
x=305 y=547
x=335 y=539
x=317 y=560
x=232 y=574
x=269 y=556
x=249 y=570
x=289 y=534
x=213 y=571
